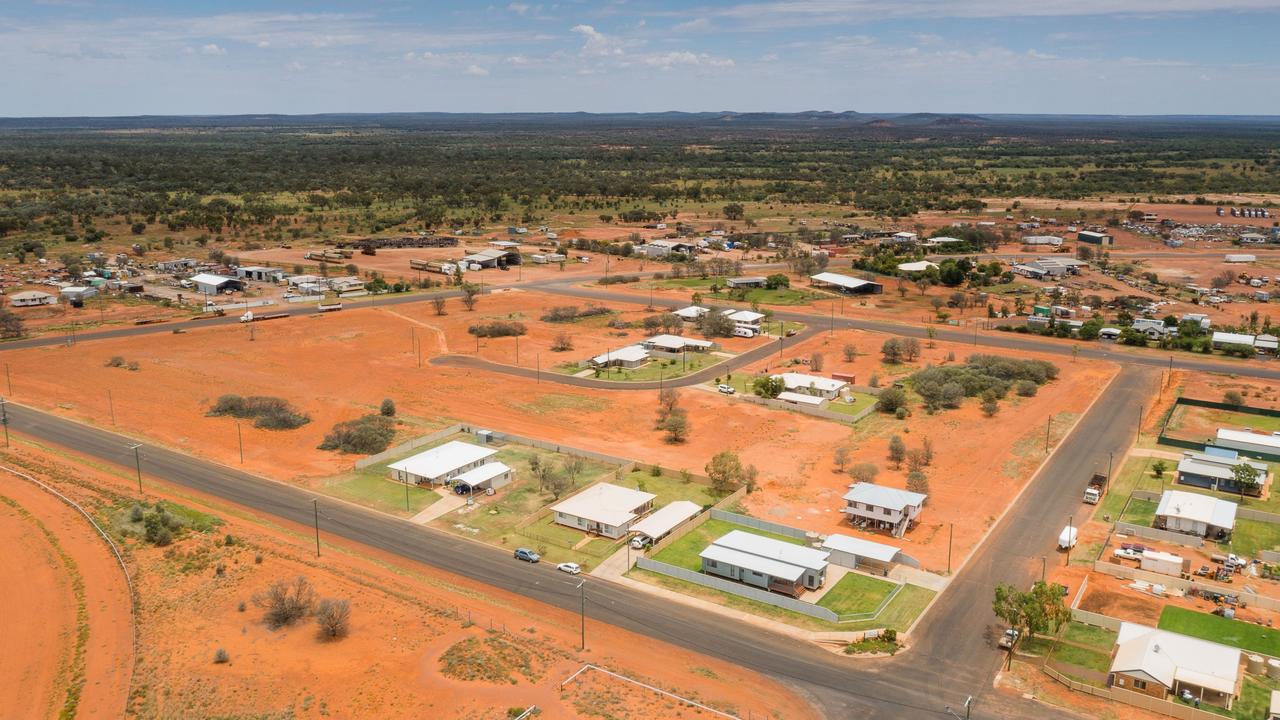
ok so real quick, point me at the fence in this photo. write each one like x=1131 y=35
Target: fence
x=1241 y=511
x=734 y=588
x=660 y=691
x=627 y=463
x=1186 y=585
x=1091 y=618
x=405 y=447
x=807 y=410
x=1148 y=533
x=758 y=524
x=1164 y=439
x=1128 y=697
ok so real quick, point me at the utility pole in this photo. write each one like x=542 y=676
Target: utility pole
x=1070 y=527
x=582 y=613
x=1044 y=564
x=240 y=439
x=1110 y=458
x=4 y=419
x=1139 y=422
x=112 y=407
x=951 y=531
x=137 y=464
x=406 y=497
x=537 y=372
x=315 y=504
x=1047 y=429
x=8 y=379
x=517 y=351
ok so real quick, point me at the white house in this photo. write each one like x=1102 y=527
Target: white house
x=690 y=314
x=79 y=293
x=814 y=385
x=1220 y=339
x=1195 y=514
x=765 y=562
x=1249 y=442
x=1159 y=663
x=441 y=463
x=886 y=508
x=677 y=343
x=748 y=319
x=630 y=356
x=604 y=509
x=32 y=297
x=917 y=266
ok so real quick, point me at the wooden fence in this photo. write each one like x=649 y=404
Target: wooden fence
x=1186 y=585
x=1128 y=697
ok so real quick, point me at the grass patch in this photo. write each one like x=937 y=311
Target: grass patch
x=1250 y=536
x=1255 y=698
x=656 y=368
x=1140 y=512
x=669 y=489
x=1084 y=658
x=861 y=401
x=372 y=488
x=555 y=402
x=855 y=594
x=1094 y=637
x=684 y=552
x=1213 y=628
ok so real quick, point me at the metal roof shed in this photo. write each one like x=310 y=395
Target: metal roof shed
x=666 y=519
x=850 y=545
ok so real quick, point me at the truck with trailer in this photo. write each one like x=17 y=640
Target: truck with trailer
x=1096 y=489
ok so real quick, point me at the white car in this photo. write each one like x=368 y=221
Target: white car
x=726 y=389
x=1128 y=554
x=571 y=568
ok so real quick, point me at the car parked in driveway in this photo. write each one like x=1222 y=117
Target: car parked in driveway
x=571 y=568
x=527 y=555
x=1009 y=638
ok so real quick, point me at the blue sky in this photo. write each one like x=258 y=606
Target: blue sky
x=119 y=57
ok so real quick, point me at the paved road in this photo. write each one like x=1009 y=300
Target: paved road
x=953 y=656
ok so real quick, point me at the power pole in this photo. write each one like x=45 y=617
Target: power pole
x=951 y=531
x=8 y=379
x=240 y=439
x=582 y=614
x=1047 y=429
x=137 y=464
x=315 y=504
x=4 y=419
x=112 y=407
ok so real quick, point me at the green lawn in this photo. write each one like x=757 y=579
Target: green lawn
x=1084 y=658
x=372 y=488
x=1255 y=698
x=1250 y=536
x=1140 y=512
x=861 y=401
x=656 y=368
x=1235 y=633
x=668 y=488
x=684 y=552
x=855 y=594
x=1126 y=481
x=1098 y=638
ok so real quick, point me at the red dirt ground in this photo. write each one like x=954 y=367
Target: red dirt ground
x=35 y=667
x=404 y=616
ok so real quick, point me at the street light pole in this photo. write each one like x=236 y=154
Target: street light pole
x=315 y=504
x=240 y=440
x=4 y=419
x=582 y=614
x=137 y=464
x=1070 y=523
x=112 y=406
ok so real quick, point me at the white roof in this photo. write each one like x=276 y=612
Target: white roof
x=905 y=235
x=624 y=354
x=1042 y=240
x=942 y=240
x=1253 y=438
x=443 y=459
x=861 y=548
x=211 y=279
x=29 y=295
x=504 y=243
x=916 y=266
x=487 y=471
x=800 y=398
x=666 y=518
x=1159 y=555
x=604 y=503
x=1170 y=657
x=884 y=497
x=1198 y=508
x=843 y=281
x=764 y=565
x=767 y=547
x=1215 y=466
x=485 y=255
x=793 y=381
x=693 y=312
x=1233 y=338
x=677 y=342
x=746 y=316
x=1240 y=258
x=1275 y=702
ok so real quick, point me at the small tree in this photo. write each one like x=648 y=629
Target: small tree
x=917 y=482
x=573 y=467
x=816 y=361
x=470 y=294
x=1233 y=398
x=668 y=401
x=1036 y=611
x=11 y=325
x=333 y=616
x=863 y=472
x=768 y=387
x=285 y=603
x=1245 y=476
x=725 y=471
x=220 y=657
x=438 y=304
x=897 y=450
x=677 y=426
x=545 y=475
x=562 y=342
x=990 y=407
x=842 y=457
x=915 y=459
x=1158 y=467
x=891 y=399
x=558 y=485
x=850 y=352
x=926 y=451
x=387 y=408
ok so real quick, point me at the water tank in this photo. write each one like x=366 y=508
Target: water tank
x=1273 y=669
x=1253 y=664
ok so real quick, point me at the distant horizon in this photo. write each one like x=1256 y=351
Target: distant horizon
x=615 y=113
x=87 y=58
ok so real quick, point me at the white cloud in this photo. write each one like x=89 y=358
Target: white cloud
x=926 y=38
x=295 y=66
x=695 y=25
x=596 y=43
x=475 y=70
x=669 y=60
x=212 y=49
x=518 y=60
x=264 y=43
x=519 y=8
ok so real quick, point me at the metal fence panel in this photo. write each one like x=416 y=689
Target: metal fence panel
x=757 y=523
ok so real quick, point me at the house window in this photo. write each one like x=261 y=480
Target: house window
x=711 y=563
x=886 y=511
x=1140 y=684
x=1120 y=680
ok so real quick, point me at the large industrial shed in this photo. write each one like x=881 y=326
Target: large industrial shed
x=441 y=463
x=847 y=284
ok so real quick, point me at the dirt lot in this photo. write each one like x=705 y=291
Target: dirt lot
x=418 y=639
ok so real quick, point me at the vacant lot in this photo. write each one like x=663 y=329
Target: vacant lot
x=856 y=594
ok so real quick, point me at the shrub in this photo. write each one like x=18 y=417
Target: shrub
x=498 y=328
x=892 y=400
x=562 y=342
x=268 y=413
x=286 y=602
x=136 y=513
x=863 y=472
x=901 y=413
x=333 y=617
x=569 y=313
x=220 y=657
x=364 y=435
x=242 y=606
x=1026 y=388
x=1233 y=397
x=115 y=361
x=917 y=482
x=387 y=408
x=229 y=540
x=615 y=279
